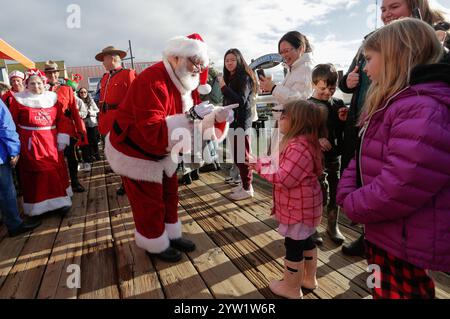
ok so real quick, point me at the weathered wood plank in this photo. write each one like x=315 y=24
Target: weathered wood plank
x=253 y=261
x=137 y=276
x=10 y=250
x=98 y=265
x=25 y=277
x=67 y=249
x=223 y=278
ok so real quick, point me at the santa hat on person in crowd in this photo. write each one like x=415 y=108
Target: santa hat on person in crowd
x=16 y=74
x=36 y=72
x=191 y=46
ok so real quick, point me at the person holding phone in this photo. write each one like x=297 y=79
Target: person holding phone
x=296 y=51
x=238 y=86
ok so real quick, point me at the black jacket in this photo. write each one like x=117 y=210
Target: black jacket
x=335 y=127
x=242 y=114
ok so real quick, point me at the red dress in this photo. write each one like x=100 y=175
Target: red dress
x=42 y=168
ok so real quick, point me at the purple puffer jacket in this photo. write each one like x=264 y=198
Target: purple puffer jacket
x=405 y=168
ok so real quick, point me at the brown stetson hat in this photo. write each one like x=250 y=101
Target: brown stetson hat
x=51 y=66
x=110 y=50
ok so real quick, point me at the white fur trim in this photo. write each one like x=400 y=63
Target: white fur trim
x=136 y=168
x=223 y=136
x=45 y=100
x=186 y=96
x=37 y=209
x=176 y=125
x=210 y=132
x=152 y=245
x=63 y=139
x=186 y=47
x=204 y=89
x=174 y=230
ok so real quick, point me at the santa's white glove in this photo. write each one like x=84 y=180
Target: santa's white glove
x=225 y=115
x=61 y=147
x=201 y=110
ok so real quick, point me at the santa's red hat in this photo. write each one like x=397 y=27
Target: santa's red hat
x=190 y=46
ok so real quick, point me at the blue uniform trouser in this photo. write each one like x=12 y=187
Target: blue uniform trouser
x=8 y=199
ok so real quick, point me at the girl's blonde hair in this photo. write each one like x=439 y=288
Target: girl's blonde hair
x=403 y=45
x=309 y=120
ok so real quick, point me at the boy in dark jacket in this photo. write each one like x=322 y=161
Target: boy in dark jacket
x=325 y=79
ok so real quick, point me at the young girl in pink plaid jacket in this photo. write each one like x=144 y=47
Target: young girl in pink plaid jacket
x=297 y=194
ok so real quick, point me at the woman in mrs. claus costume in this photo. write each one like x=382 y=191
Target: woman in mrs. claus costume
x=43 y=172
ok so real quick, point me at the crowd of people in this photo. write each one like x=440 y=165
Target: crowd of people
x=383 y=160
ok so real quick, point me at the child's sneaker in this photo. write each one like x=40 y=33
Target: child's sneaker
x=242 y=194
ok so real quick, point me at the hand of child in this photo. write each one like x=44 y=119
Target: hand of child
x=343 y=113
x=325 y=144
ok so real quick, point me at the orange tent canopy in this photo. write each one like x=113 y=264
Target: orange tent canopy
x=7 y=52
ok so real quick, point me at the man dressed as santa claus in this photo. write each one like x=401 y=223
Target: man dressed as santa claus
x=161 y=109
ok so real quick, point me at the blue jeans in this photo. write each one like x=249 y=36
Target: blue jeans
x=8 y=199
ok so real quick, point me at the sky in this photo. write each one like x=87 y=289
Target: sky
x=76 y=30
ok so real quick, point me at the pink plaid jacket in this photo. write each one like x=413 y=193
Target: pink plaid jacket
x=297 y=194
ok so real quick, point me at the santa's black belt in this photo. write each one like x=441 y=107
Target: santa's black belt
x=136 y=147
x=109 y=107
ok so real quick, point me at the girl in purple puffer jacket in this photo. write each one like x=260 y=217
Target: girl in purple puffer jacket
x=399 y=187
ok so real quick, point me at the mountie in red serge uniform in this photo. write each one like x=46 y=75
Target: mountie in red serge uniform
x=138 y=148
x=114 y=86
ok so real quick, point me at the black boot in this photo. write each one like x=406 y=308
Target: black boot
x=355 y=248
x=121 y=191
x=208 y=168
x=25 y=227
x=170 y=255
x=194 y=175
x=333 y=226
x=182 y=244
x=77 y=187
x=185 y=180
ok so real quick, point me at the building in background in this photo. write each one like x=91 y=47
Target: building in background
x=93 y=74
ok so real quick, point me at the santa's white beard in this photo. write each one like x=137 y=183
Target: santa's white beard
x=190 y=81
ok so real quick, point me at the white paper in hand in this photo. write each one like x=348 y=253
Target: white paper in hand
x=231 y=106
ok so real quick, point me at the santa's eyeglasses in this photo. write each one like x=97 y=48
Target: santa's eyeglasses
x=198 y=66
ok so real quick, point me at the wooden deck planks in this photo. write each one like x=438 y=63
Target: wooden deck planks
x=217 y=270
x=98 y=264
x=238 y=250
x=67 y=250
x=137 y=276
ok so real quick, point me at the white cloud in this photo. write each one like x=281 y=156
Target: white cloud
x=253 y=26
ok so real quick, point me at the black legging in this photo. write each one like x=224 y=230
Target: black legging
x=296 y=248
x=93 y=137
x=70 y=153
